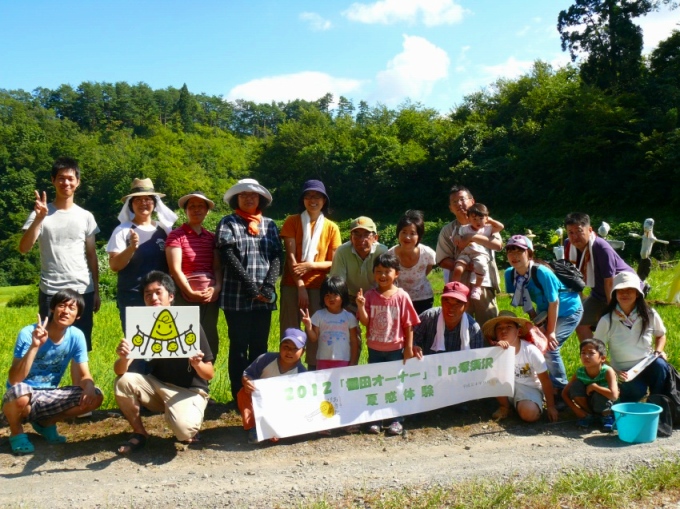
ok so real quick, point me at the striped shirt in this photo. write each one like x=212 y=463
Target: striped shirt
x=197 y=250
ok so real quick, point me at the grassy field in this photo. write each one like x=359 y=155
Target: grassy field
x=7 y=292
x=107 y=334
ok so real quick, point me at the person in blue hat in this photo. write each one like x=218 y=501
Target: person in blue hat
x=310 y=240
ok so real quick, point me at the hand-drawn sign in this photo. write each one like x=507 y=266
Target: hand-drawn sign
x=155 y=331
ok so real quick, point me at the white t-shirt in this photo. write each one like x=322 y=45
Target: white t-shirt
x=120 y=238
x=61 y=239
x=334 y=334
x=467 y=229
x=529 y=363
x=414 y=279
x=626 y=346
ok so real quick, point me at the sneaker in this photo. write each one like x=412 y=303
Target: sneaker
x=395 y=429
x=353 y=429
x=252 y=436
x=374 y=429
x=585 y=422
x=608 y=422
x=325 y=433
x=476 y=293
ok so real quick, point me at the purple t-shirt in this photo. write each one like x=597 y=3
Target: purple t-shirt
x=607 y=264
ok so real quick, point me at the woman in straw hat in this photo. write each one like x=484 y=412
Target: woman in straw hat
x=310 y=239
x=195 y=264
x=250 y=252
x=633 y=332
x=532 y=383
x=137 y=245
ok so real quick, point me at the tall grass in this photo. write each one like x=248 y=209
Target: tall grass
x=107 y=333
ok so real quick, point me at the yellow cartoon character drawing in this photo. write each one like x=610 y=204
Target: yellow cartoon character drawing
x=164 y=330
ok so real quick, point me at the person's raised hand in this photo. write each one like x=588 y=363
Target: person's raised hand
x=134 y=239
x=39 y=335
x=306 y=319
x=40 y=206
x=361 y=300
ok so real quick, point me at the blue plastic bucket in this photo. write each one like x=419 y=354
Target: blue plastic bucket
x=637 y=422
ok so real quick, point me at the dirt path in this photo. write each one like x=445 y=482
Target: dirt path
x=224 y=470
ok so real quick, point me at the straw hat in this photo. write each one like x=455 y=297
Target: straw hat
x=489 y=328
x=247 y=186
x=195 y=194
x=142 y=187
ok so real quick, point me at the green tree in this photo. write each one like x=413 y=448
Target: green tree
x=604 y=31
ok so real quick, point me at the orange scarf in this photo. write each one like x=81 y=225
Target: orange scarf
x=253 y=220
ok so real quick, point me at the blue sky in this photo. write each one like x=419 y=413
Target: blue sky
x=387 y=51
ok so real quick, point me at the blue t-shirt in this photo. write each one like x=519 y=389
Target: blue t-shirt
x=52 y=359
x=553 y=289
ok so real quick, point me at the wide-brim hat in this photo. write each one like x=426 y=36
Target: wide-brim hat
x=315 y=185
x=142 y=187
x=195 y=194
x=626 y=280
x=489 y=328
x=247 y=186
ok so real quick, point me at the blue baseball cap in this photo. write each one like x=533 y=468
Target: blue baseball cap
x=296 y=336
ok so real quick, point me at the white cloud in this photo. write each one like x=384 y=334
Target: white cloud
x=462 y=60
x=308 y=85
x=656 y=27
x=523 y=31
x=316 y=22
x=485 y=75
x=432 y=12
x=412 y=73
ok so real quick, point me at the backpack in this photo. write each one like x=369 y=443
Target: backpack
x=665 y=427
x=565 y=271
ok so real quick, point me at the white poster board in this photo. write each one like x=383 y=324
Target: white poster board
x=163 y=332
x=295 y=404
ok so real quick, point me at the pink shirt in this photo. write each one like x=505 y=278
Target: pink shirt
x=197 y=250
x=389 y=319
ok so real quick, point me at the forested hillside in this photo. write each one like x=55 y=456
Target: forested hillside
x=601 y=135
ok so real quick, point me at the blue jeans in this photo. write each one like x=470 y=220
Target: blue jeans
x=563 y=329
x=653 y=377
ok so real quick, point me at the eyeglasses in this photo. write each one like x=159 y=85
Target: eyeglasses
x=143 y=199
x=459 y=200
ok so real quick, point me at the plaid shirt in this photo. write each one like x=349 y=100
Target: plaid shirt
x=256 y=253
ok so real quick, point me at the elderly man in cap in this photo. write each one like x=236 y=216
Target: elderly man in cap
x=353 y=260
x=448 y=328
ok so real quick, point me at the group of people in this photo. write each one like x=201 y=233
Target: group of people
x=327 y=289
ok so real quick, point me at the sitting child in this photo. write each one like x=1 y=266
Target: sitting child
x=284 y=362
x=594 y=388
x=41 y=354
x=532 y=382
x=480 y=228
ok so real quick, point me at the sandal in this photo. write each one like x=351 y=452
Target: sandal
x=193 y=440
x=501 y=413
x=21 y=444
x=136 y=442
x=49 y=433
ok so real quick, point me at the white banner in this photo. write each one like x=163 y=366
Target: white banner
x=296 y=404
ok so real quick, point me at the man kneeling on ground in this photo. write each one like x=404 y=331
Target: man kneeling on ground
x=178 y=387
x=41 y=355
